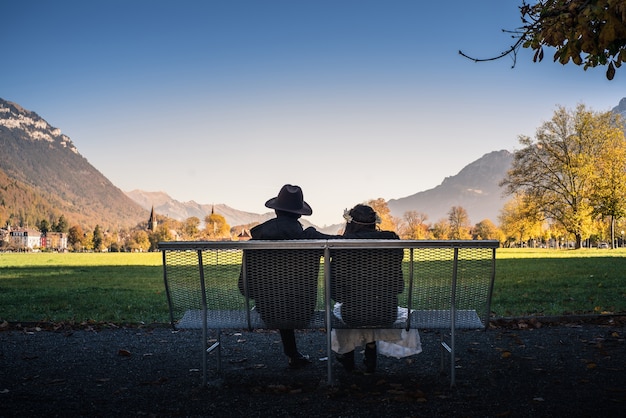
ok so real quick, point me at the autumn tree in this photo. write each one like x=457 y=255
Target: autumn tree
x=441 y=229
x=557 y=168
x=415 y=226
x=388 y=222
x=191 y=227
x=521 y=218
x=609 y=188
x=75 y=237
x=161 y=234
x=216 y=226
x=486 y=229
x=590 y=33
x=459 y=223
x=139 y=241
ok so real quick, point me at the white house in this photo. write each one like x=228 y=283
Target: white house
x=25 y=238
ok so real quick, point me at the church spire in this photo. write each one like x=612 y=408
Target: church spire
x=152 y=222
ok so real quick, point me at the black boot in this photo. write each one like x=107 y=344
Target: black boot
x=370 y=358
x=347 y=360
x=297 y=361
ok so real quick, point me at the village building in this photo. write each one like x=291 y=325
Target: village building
x=25 y=238
x=54 y=241
x=244 y=235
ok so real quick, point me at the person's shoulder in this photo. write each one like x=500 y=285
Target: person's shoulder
x=373 y=235
x=312 y=233
x=388 y=235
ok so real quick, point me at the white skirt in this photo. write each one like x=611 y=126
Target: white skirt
x=394 y=342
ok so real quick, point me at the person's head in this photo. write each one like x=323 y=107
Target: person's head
x=361 y=218
x=289 y=202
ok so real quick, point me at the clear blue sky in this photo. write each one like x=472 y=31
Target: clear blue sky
x=226 y=101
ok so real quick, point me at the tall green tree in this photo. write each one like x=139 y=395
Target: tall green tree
x=557 y=168
x=61 y=225
x=98 y=238
x=44 y=226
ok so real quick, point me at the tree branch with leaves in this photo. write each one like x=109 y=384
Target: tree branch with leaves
x=590 y=33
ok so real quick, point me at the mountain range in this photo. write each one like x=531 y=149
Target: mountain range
x=475 y=188
x=43 y=176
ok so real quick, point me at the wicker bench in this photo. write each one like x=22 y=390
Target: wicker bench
x=217 y=285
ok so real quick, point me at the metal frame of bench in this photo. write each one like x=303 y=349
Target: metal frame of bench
x=451 y=319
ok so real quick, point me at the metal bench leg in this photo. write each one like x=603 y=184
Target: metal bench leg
x=204 y=353
x=452 y=360
x=449 y=349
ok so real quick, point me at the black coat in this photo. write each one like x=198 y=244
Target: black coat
x=368 y=281
x=283 y=283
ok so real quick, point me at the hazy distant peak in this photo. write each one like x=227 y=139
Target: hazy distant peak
x=621 y=107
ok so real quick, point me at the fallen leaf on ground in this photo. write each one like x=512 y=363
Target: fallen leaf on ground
x=157 y=382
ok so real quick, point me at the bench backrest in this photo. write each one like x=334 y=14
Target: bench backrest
x=445 y=283
x=283 y=285
x=367 y=282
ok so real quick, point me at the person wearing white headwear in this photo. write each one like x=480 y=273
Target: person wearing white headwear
x=362 y=303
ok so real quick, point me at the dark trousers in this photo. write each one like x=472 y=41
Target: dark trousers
x=288 y=336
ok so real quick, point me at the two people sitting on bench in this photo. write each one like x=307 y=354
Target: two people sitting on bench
x=365 y=285
x=283 y=282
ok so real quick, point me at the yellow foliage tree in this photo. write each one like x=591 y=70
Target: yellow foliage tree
x=216 y=227
x=388 y=222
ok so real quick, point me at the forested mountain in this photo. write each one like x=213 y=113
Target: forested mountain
x=43 y=176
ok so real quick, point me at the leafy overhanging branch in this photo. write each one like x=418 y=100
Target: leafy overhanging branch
x=586 y=32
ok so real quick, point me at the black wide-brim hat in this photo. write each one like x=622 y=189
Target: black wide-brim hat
x=290 y=199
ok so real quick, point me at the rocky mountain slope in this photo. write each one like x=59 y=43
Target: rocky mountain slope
x=43 y=175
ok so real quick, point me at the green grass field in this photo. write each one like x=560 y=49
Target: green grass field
x=128 y=287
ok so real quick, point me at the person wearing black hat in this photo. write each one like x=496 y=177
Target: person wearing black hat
x=289 y=206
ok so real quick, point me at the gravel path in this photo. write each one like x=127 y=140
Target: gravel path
x=518 y=368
